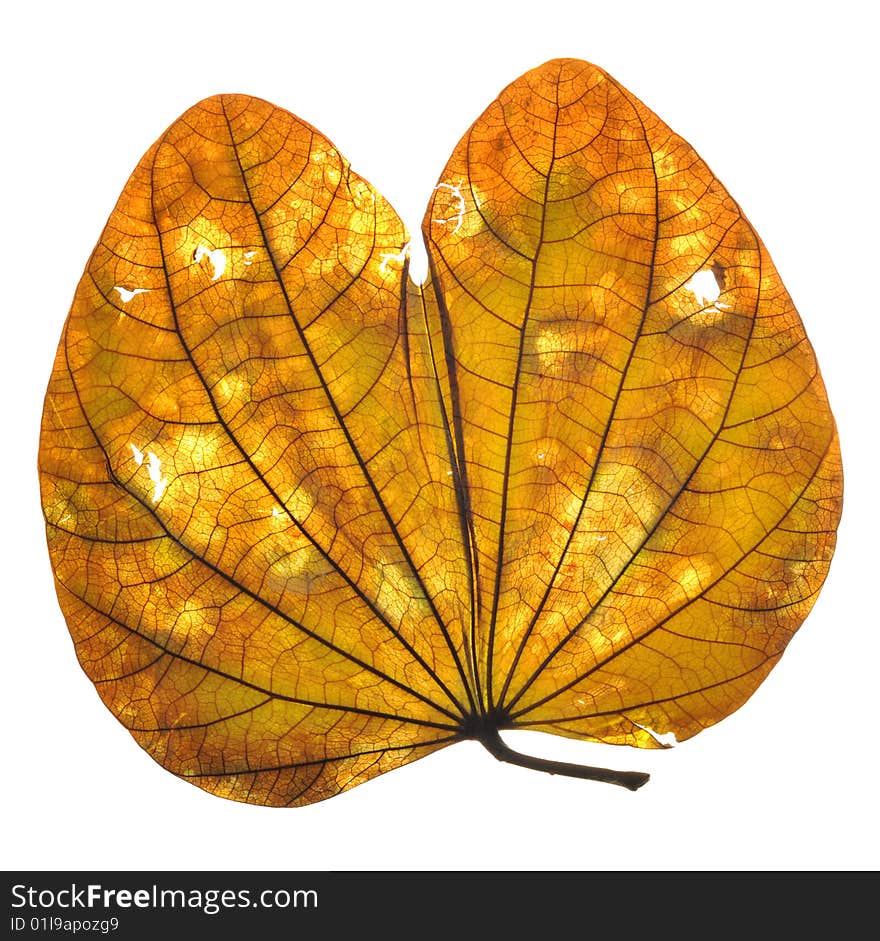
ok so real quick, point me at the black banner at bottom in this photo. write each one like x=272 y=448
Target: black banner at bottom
x=414 y=904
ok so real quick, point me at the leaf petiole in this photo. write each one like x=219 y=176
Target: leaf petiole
x=631 y=780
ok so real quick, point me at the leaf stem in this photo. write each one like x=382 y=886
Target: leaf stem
x=631 y=780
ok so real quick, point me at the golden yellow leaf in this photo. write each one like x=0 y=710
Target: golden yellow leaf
x=310 y=521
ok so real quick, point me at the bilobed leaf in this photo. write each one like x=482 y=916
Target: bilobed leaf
x=310 y=521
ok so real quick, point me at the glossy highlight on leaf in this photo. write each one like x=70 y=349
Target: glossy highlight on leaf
x=310 y=521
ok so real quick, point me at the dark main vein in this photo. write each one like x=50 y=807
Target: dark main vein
x=351 y=444
x=454 y=448
x=655 y=702
x=321 y=761
x=689 y=601
x=674 y=498
x=195 y=554
x=255 y=687
x=233 y=438
x=238 y=586
x=599 y=452
x=505 y=484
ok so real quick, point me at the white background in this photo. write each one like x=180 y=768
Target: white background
x=780 y=99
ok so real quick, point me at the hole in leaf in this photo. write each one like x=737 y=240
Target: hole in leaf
x=125 y=295
x=705 y=287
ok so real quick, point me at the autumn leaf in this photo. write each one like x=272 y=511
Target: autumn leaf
x=310 y=521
